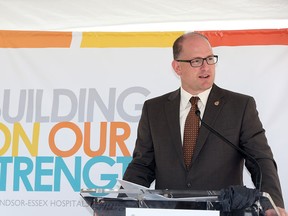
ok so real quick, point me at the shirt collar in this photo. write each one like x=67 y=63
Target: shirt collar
x=185 y=97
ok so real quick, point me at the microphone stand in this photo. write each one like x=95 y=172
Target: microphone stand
x=245 y=154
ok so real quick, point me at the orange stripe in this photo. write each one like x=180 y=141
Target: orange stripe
x=35 y=39
x=247 y=37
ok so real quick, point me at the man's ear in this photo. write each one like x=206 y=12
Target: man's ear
x=177 y=67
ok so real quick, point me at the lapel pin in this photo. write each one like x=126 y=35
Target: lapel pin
x=216 y=103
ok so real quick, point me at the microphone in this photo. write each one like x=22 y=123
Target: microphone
x=244 y=153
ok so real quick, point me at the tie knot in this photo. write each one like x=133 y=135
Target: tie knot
x=194 y=100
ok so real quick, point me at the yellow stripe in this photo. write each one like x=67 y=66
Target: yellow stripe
x=128 y=39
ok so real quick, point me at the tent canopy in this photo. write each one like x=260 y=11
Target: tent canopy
x=144 y=15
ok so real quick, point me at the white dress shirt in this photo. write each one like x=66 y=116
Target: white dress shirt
x=185 y=105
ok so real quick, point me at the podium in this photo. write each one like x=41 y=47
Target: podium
x=118 y=202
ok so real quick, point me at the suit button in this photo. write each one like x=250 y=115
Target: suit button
x=189 y=185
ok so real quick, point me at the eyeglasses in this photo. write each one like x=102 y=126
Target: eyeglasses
x=198 y=62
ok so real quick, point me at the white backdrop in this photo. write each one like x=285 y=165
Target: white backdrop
x=50 y=95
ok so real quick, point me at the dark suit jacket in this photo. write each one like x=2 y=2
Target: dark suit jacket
x=215 y=165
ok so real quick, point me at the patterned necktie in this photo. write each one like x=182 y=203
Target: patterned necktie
x=191 y=130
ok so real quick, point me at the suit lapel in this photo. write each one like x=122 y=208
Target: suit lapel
x=214 y=105
x=172 y=107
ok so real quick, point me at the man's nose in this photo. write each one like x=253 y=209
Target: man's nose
x=204 y=65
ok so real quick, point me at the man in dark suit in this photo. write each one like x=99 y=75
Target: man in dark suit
x=158 y=154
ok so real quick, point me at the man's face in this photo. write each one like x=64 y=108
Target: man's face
x=195 y=79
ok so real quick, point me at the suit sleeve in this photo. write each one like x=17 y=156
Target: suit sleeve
x=141 y=169
x=253 y=140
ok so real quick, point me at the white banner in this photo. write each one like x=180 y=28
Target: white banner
x=70 y=105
